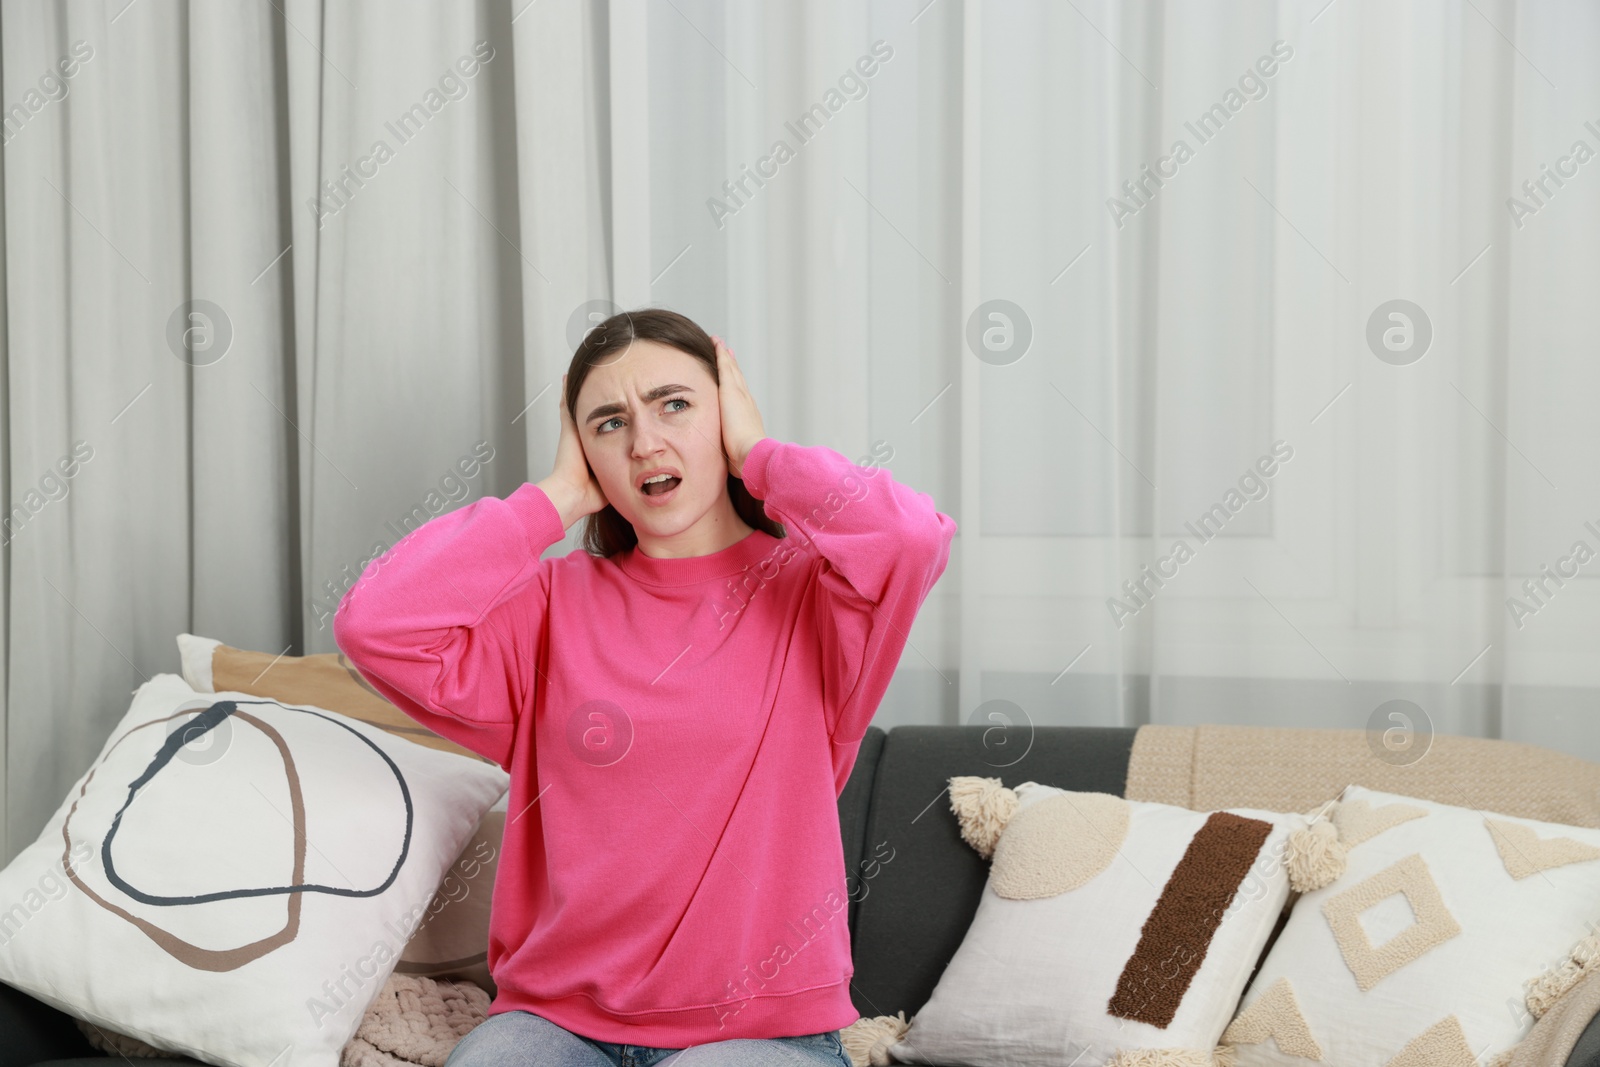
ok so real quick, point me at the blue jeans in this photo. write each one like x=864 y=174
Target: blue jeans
x=523 y=1039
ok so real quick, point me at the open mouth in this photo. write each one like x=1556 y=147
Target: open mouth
x=659 y=488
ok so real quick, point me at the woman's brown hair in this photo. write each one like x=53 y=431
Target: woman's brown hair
x=606 y=532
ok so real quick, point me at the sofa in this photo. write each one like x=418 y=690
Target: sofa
x=914 y=883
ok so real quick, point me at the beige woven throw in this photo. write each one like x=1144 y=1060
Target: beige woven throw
x=1293 y=769
x=414 y=1021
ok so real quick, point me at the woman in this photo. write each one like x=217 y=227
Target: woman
x=679 y=705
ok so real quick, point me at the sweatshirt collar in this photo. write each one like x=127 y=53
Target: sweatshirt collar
x=689 y=570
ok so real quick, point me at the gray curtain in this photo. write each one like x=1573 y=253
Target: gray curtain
x=272 y=270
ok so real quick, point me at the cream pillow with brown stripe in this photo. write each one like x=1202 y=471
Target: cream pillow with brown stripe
x=453 y=940
x=1109 y=932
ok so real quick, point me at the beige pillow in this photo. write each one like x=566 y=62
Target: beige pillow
x=326 y=680
x=453 y=940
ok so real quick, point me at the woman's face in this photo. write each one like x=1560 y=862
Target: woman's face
x=653 y=406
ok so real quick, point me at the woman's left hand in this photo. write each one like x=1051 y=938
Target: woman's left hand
x=741 y=421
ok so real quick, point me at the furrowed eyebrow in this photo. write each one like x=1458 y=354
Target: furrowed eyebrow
x=616 y=408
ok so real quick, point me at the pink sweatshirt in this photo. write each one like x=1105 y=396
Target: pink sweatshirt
x=677 y=732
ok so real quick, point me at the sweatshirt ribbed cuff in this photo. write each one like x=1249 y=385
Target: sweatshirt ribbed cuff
x=540 y=518
x=754 y=471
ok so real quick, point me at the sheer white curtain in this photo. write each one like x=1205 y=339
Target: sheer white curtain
x=391 y=312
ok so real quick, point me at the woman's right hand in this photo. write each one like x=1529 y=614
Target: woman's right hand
x=571 y=486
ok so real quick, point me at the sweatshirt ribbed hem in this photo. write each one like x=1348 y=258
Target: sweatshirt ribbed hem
x=811 y=1011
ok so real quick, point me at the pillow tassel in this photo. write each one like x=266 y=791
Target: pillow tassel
x=867 y=1040
x=1315 y=856
x=982 y=806
x=1554 y=983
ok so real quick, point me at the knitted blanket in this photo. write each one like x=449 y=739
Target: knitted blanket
x=1554 y=1036
x=414 y=1022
